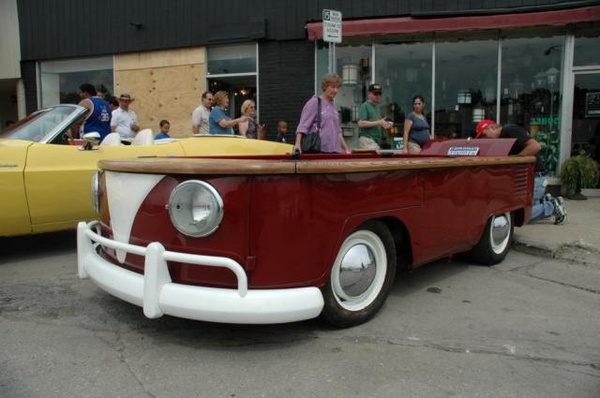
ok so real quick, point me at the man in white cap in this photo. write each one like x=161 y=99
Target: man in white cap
x=124 y=121
x=544 y=206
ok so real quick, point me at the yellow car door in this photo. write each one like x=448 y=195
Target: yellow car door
x=14 y=214
x=57 y=180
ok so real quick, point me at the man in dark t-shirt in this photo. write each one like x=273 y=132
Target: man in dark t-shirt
x=544 y=206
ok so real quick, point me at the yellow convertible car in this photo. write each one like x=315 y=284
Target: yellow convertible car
x=45 y=178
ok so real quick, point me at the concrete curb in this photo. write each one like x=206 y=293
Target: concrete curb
x=577 y=251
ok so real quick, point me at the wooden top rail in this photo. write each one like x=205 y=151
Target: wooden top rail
x=337 y=165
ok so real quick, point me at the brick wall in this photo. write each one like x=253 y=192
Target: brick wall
x=286 y=79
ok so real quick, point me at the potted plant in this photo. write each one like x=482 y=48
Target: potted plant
x=580 y=171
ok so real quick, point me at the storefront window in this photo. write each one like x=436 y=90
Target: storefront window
x=403 y=68
x=60 y=80
x=240 y=58
x=353 y=64
x=511 y=77
x=587 y=43
x=405 y=71
x=465 y=82
x=530 y=88
x=232 y=68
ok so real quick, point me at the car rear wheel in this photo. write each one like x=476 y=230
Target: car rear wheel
x=495 y=241
x=361 y=276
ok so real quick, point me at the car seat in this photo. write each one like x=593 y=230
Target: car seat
x=111 y=139
x=144 y=137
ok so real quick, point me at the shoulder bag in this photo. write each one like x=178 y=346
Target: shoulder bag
x=311 y=142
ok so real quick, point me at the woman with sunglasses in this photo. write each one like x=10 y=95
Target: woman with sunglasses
x=250 y=128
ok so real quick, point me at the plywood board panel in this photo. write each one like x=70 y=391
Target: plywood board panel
x=169 y=92
x=160 y=59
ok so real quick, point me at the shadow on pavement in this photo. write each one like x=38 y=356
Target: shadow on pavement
x=26 y=247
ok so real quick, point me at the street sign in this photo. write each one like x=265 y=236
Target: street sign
x=332 y=26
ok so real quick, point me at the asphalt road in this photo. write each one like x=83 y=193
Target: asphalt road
x=528 y=327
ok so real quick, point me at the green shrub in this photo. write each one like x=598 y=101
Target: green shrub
x=580 y=171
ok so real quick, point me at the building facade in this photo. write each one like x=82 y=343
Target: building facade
x=530 y=62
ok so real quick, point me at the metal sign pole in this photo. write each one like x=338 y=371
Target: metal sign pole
x=332 y=58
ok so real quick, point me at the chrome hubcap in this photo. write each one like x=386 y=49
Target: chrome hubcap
x=500 y=232
x=357 y=271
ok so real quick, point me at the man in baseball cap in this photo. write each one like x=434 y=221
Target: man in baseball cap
x=375 y=88
x=544 y=206
x=370 y=121
x=482 y=125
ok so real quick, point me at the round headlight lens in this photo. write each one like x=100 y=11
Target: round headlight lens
x=195 y=208
x=96 y=178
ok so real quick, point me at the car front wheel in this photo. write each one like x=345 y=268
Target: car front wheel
x=361 y=276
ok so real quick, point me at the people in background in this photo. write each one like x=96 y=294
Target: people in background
x=165 y=127
x=332 y=140
x=282 y=130
x=97 y=119
x=201 y=114
x=218 y=121
x=370 y=122
x=102 y=92
x=416 y=127
x=112 y=102
x=124 y=120
x=250 y=127
x=544 y=205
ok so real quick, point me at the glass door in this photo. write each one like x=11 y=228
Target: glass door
x=585 y=130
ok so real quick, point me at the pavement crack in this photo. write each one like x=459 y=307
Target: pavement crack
x=119 y=347
x=504 y=352
x=561 y=283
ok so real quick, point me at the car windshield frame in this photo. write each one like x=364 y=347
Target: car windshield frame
x=45 y=125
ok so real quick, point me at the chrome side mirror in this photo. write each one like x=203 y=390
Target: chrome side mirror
x=91 y=141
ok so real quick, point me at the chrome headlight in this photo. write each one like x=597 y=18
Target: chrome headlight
x=96 y=178
x=195 y=208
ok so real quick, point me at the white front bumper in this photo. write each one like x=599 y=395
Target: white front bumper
x=158 y=295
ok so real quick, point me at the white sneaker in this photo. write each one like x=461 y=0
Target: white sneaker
x=560 y=214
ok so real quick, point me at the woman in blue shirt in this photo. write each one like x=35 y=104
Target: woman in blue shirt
x=218 y=121
x=416 y=127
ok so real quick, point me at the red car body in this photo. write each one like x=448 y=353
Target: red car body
x=332 y=228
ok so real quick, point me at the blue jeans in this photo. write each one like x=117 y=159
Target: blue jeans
x=541 y=209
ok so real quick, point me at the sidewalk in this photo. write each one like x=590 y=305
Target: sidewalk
x=578 y=240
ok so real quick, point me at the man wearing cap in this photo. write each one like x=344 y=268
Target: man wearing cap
x=544 y=206
x=124 y=120
x=98 y=118
x=370 y=121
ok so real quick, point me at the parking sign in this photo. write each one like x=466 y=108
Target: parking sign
x=332 y=26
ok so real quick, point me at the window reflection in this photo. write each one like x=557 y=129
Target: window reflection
x=465 y=75
x=530 y=87
x=405 y=70
x=402 y=68
x=239 y=58
x=587 y=43
x=60 y=80
x=511 y=77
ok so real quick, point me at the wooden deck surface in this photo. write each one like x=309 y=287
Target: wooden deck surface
x=335 y=165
